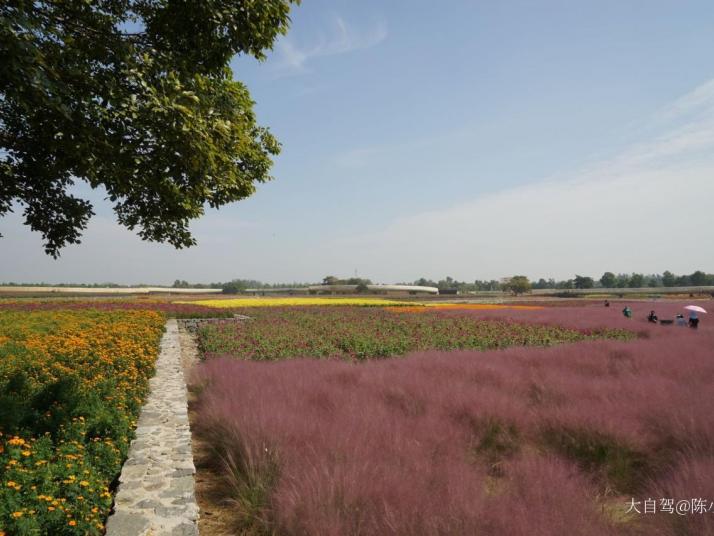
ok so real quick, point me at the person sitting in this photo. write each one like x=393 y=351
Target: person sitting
x=693 y=320
x=680 y=320
x=652 y=317
x=607 y=303
x=627 y=311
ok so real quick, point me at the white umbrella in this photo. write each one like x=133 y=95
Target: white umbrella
x=695 y=308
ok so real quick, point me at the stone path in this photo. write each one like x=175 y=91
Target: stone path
x=156 y=492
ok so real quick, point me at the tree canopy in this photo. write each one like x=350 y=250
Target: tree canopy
x=135 y=97
x=582 y=282
x=608 y=280
x=518 y=284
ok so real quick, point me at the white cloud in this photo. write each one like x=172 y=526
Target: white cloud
x=700 y=99
x=292 y=59
x=648 y=209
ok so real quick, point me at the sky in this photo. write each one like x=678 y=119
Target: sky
x=471 y=139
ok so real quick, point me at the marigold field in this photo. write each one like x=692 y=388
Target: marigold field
x=72 y=383
x=454 y=436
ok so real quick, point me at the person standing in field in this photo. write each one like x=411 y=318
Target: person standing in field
x=693 y=320
x=627 y=311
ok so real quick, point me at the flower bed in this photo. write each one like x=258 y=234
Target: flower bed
x=72 y=384
x=360 y=333
x=537 y=441
x=462 y=307
x=171 y=310
x=289 y=302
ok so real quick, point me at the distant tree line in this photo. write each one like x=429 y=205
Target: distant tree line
x=240 y=285
x=633 y=280
x=332 y=280
x=607 y=280
x=78 y=285
x=462 y=286
x=517 y=284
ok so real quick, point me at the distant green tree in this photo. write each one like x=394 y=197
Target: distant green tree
x=653 y=280
x=358 y=281
x=135 y=97
x=180 y=283
x=682 y=281
x=668 y=279
x=622 y=281
x=698 y=279
x=486 y=285
x=234 y=287
x=636 y=281
x=518 y=284
x=608 y=280
x=330 y=280
x=446 y=283
x=495 y=285
x=583 y=282
x=567 y=284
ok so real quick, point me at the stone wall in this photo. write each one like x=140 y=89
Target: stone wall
x=156 y=492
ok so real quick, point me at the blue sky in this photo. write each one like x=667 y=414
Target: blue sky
x=474 y=139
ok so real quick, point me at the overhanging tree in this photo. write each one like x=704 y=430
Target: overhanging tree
x=135 y=96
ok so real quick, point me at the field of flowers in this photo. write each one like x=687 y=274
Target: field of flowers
x=72 y=383
x=362 y=333
x=291 y=302
x=423 y=308
x=171 y=310
x=598 y=437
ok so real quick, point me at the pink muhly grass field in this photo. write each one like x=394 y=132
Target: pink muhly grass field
x=596 y=316
x=537 y=441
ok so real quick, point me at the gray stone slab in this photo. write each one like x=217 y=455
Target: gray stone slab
x=128 y=524
x=156 y=494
